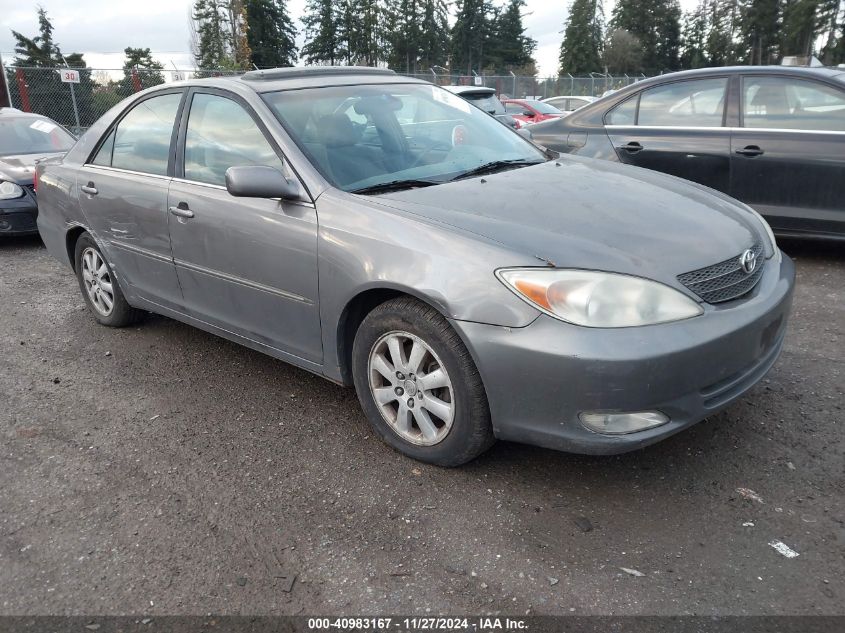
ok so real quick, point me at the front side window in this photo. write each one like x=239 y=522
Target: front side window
x=32 y=135
x=792 y=104
x=141 y=141
x=365 y=136
x=222 y=134
x=699 y=103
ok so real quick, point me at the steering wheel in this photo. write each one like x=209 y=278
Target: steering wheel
x=437 y=145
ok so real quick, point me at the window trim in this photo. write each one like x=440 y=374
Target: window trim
x=116 y=122
x=638 y=96
x=812 y=80
x=185 y=113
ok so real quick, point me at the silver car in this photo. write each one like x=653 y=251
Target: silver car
x=381 y=232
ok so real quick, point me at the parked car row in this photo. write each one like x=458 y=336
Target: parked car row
x=24 y=139
x=389 y=235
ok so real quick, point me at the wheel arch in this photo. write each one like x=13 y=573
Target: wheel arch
x=356 y=310
x=71 y=238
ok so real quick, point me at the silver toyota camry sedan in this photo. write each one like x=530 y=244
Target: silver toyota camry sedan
x=384 y=233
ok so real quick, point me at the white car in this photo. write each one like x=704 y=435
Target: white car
x=569 y=103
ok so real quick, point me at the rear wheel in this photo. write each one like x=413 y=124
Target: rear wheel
x=419 y=386
x=99 y=286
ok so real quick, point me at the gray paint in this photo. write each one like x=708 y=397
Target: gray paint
x=279 y=276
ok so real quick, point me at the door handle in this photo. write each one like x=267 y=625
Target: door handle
x=632 y=147
x=750 y=151
x=181 y=212
x=90 y=189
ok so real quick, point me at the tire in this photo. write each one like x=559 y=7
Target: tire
x=404 y=403
x=98 y=290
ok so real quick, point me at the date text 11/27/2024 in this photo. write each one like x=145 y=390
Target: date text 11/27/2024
x=481 y=625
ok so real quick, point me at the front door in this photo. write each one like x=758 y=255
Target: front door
x=789 y=155
x=247 y=265
x=123 y=194
x=676 y=128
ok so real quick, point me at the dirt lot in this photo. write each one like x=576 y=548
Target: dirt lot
x=159 y=470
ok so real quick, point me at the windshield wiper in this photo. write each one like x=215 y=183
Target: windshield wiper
x=395 y=185
x=496 y=165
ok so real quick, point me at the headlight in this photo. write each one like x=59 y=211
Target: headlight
x=598 y=299
x=9 y=190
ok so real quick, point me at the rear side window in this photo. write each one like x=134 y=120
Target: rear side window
x=699 y=103
x=222 y=134
x=792 y=104
x=141 y=141
x=623 y=114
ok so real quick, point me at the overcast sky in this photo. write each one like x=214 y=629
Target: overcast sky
x=101 y=29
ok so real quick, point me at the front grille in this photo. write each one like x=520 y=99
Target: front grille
x=726 y=280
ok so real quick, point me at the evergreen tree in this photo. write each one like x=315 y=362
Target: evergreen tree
x=656 y=24
x=760 y=25
x=509 y=48
x=238 y=39
x=694 y=37
x=212 y=45
x=271 y=35
x=434 y=38
x=41 y=50
x=580 y=51
x=321 y=22
x=470 y=34
x=147 y=69
x=623 y=53
x=724 y=26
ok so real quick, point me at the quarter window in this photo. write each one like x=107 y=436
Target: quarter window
x=792 y=104
x=141 y=141
x=222 y=134
x=623 y=114
x=699 y=103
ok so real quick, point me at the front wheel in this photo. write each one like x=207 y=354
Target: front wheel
x=99 y=286
x=419 y=386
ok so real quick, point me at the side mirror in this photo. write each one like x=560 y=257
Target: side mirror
x=258 y=181
x=528 y=113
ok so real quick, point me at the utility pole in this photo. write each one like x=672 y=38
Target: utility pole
x=5 y=97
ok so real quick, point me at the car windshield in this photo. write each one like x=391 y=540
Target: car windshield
x=362 y=137
x=32 y=135
x=487 y=102
x=543 y=108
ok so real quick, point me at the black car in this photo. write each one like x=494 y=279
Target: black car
x=24 y=140
x=486 y=99
x=770 y=136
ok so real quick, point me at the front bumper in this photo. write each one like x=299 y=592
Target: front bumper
x=18 y=216
x=540 y=377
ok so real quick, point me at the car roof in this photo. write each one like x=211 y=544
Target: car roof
x=799 y=71
x=14 y=113
x=298 y=77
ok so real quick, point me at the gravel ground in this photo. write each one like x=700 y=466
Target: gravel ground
x=162 y=470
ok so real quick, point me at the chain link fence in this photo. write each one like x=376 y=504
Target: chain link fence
x=78 y=105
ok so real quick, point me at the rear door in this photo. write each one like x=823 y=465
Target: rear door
x=788 y=158
x=246 y=265
x=123 y=194
x=677 y=128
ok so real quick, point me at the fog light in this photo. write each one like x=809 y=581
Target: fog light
x=5 y=226
x=621 y=423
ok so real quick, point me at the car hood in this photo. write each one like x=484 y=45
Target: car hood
x=20 y=168
x=582 y=213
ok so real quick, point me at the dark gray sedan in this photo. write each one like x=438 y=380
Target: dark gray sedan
x=382 y=232
x=770 y=136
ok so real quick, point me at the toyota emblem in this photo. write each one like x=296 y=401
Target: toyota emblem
x=748 y=261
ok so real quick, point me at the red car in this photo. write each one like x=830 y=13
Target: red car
x=527 y=111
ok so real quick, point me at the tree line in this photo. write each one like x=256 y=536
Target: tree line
x=655 y=36
x=412 y=36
